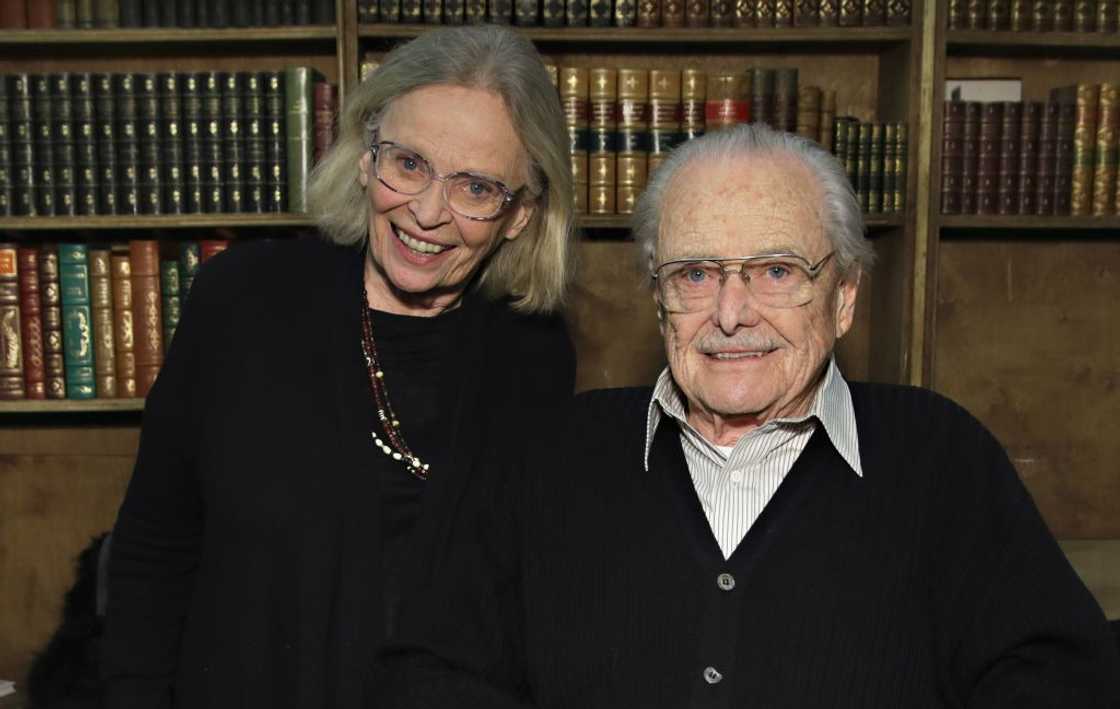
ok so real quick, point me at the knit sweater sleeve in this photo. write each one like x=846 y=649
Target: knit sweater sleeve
x=1016 y=625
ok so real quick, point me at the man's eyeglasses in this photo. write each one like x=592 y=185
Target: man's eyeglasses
x=782 y=280
x=472 y=196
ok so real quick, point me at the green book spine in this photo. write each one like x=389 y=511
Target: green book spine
x=298 y=82
x=169 y=290
x=189 y=259
x=77 y=321
x=900 y=148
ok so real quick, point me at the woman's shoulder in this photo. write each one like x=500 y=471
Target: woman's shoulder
x=270 y=267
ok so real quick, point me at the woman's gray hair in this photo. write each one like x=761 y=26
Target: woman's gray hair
x=841 y=215
x=534 y=268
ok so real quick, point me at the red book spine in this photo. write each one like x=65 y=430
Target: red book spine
x=1028 y=157
x=31 y=324
x=991 y=124
x=42 y=14
x=325 y=99
x=13 y=14
x=1008 y=186
x=208 y=248
x=952 y=157
x=969 y=184
x=11 y=354
x=147 y=315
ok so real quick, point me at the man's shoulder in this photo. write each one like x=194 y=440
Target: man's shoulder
x=592 y=416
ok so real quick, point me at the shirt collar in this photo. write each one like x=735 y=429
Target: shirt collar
x=832 y=406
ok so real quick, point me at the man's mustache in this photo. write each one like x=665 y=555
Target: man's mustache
x=717 y=342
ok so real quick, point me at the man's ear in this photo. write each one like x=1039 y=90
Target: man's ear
x=846 y=293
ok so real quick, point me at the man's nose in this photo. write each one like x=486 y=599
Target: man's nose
x=736 y=305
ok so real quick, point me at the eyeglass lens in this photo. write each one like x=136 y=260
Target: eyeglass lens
x=408 y=173
x=776 y=282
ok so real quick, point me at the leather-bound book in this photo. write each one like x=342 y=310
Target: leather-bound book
x=649 y=13
x=192 y=131
x=1084 y=148
x=255 y=170
x=851 y=160
x=840 y=141
x=86 y=173
x=147 y=315
x=43 y=136
x=241 y=14
x=806 y=13
x=190 y=258
x=13 y=14
x=67 y=14
x=300 y=123
x=77 y=321
x=1062 y=15
x=42 y=15
x=287 y=13
x=85 y=14
x=209 y=248
x=552 y=13
x=898 y=13
x=124 y=334
x=764 y=12
x=808 y=112
x=987 y=177
x=150 y=129
x=664 y=114
x=276 y=141
x=126 y=142
x=672 y=12
x=1108 y=16
x=576 y=13
x=323 y=12
x=762 y=104
x=976 y=14
x=1007 y=189
x=233 y=140
x=598 y=13
x=150 y=14
x=1019 y=13
x=602 y=151
x=694 y=85
x=388 y=11
x=828 y=115
x=697 y=12
x=11 y=349
x=1104 y=172
x=1084 y=15
x=573 y=87
x=728 y=100
x=212 y=160
x=952 y=157
x=873 y=13
x=955 y=17
x=170 y=301
x=105 y=112
x=1066 y=98
x=970 y=164
x=1042 y=15
x=850 y=13
x=1029 y=131
x=527 y=13
x=31 y=323
x=498 y=12
x=633 y=137
x=829 y=13
x=999 y=15
x=131 y=13
x=901 y=159
x=722 y=13
x=783 y=13
x=367 y=12
x=186 y=15
x=302 y=10
x=875 y=170
x=22 y=132
x=863 y=167
x=412 y=11
x=172 y=163
x=106 y=13
x=890 y=163
x=785 y=99
x=744 y=14
x=432 y=10
x=326 y=100
x=101 y=302
x=1047 y=158
x=51 y=304
x=63 y=158
x=454 y=11
x=271 y=13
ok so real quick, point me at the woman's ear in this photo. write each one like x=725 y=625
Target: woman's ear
x=520 y=219
x=365 y=168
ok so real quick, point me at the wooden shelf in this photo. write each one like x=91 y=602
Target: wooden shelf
x=70 y=406
x=680 y=35
x=973 y=222
x=987 y=42
x=184 y=221
x=160 y=35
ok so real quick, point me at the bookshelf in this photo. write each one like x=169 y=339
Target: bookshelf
x=1036 y=368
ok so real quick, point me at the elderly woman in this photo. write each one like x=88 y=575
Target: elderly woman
x=317 y=420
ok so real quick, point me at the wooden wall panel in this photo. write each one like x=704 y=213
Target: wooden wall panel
x=1097 y=562
x=1027 y=339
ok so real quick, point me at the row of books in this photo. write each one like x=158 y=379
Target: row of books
x=1052 y=158
x=82 y=322
x=89 y=14
x=622 y=123
x=641 y=13
x=1035 y=15
x=171 y=143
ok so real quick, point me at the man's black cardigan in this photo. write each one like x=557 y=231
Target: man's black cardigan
x=583 y=580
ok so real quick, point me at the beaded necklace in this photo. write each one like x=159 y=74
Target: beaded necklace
x=396 y=448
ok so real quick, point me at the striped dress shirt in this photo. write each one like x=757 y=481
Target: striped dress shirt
x=734 y=484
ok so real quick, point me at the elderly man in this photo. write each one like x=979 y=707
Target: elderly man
x=756 y=531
